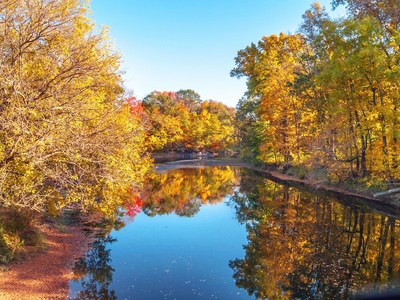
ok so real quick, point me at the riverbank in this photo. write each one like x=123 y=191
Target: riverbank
x=276 y=175
x=45 y=275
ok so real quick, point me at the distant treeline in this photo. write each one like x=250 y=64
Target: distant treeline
x=182 y=122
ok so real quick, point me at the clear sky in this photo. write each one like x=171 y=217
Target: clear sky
x=168 y=45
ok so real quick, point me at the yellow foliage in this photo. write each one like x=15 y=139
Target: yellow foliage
x=64 y=128
x=173 y=126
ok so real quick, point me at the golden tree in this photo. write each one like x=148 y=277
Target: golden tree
x=66 y=134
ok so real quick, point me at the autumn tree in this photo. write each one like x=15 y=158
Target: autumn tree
x=66 y=133
x=363 y=97
x=270 y=67
x=248 y=126
x=328 y=96
x=386 y=12
x=190 y=99
x=181 y=121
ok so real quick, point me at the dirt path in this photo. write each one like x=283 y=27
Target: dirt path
x=45 y=275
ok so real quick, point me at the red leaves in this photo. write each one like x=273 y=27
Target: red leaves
x=135 y=106
x=135 y=208
x=215 y=146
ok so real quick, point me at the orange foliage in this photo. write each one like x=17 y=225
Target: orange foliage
x=135 y=106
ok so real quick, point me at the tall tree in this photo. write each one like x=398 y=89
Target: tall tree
x=66 y=134
x=270 y=68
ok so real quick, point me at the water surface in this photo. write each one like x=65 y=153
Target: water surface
x=229 y=233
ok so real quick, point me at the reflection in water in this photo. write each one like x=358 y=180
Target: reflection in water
x=94 y=271
x=301 y=246
x=180 y=191
x=183 y=191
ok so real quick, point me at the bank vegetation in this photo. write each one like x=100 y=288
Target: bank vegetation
x=67 y=134
x=324 y=103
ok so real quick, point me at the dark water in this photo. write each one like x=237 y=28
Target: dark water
x=229 y=233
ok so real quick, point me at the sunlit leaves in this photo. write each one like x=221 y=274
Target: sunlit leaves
x=271 y=67
x=182 y=122
x=328 y=100
x=66 y=134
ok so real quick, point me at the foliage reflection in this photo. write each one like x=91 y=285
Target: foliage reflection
x=183 y=191
x=94 y=271
x=300 y=245
x=180 y=191
x=305 y=247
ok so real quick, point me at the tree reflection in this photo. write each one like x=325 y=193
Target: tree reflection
x=307 y=247
x=94 y=271
x=183 y=191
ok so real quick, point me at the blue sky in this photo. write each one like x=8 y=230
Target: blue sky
x=168 y=45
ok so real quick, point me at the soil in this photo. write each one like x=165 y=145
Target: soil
x=45 y=275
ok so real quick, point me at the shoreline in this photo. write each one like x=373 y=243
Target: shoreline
x=31 y=278
x=232 y=161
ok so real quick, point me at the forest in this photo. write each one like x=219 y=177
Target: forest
x=324 y=101
x=321 y=103
x=182 y=122
x=71 y=134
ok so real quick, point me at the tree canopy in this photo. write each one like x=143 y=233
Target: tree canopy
x=327 y=97
x=182 y=122
x=66 y=132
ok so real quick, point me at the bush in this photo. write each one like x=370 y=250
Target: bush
x=17 y=229
x=10 y=245
x=297 y=171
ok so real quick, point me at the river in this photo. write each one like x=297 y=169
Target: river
x=222 y=232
